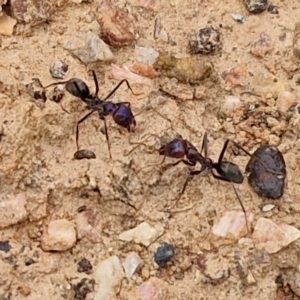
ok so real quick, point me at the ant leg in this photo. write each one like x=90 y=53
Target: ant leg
x=148 y=107
x=188 y=163
x=96 y=83
x=54 y=83
x=106 y=134
x=79 y=122
x=242 y=206
x=254 y=157
x=237 y=195
x=204 y=145
x=187 y=181
x=139 y=143
x=117 y=87
x=154 y=165
x=223 y=152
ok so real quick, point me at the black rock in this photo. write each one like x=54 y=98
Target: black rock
x=256 y=6
x=267 y=172
x=5 y=246
x=163 y=254
x=84 y=266
x=205 y=41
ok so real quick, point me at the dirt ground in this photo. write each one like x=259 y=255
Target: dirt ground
x=38 y=143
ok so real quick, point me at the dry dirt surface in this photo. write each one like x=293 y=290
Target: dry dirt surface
x=56 y=210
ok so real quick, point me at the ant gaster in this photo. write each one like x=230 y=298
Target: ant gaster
x=221 y=170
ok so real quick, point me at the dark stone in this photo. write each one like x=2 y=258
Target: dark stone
x=5 y=246
x=163 y=254
x=267 y=172
x=84 y=266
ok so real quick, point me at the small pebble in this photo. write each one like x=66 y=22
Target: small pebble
x=30 y=11
x=250 y=280
x=108 y=275
x=59 y=69
x=239 y=18
x=59 y=235
x=147 y=55
x=117 y=26
x=205 y=41
x=144 y=234
x=233 y=225
x=216 y=269
x=268 y=207
x=12 y=210
x=5 y=246
x=273 y=10
x=231 y=103
x=122 y=73
x=256 y=6
x=84 y=266
x=83 y=287
x=144 y=69
x=236 y=75
x=7 y=24
x=56 y=94
x=271 y=237
x=87 y=46
x=156 y=289
x=228 y=127
x=132 y=264
x=284 y=101
x=262 y=46
x=84 y=153
x=163 y=254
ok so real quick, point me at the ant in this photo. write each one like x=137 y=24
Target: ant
x=221 y=170
x=121 y=112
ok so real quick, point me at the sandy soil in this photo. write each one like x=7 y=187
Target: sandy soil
x=38 y=143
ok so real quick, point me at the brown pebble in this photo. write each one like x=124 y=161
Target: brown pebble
x=262 y=46
x=144 y=69
x=116 y=25
x=24 y=290
x=84 y=153
x=30 y=11
x=236 y=75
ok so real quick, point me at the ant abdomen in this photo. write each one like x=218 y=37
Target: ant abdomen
x=230 y=171
x=175 y=149
x=78 y=88
x=124 y=117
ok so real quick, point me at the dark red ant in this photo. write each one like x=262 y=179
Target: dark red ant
x=222 y=170
x=120 y=112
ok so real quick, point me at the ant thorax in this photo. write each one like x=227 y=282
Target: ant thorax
x=94 y=103
x=192 y=154
x=207 y=162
